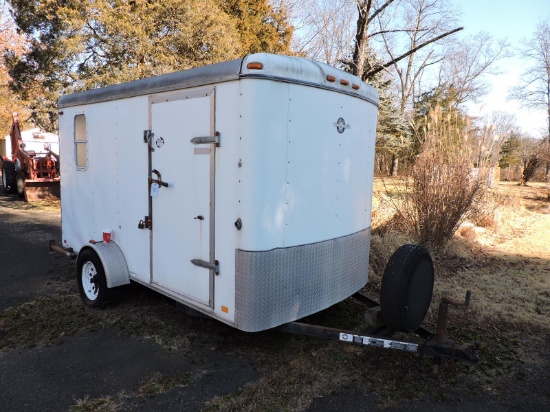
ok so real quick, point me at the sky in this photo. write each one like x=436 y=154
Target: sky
x=514 y=20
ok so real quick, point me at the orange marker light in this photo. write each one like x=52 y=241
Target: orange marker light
x=355 y=86
x=255 y=66
x=331 y=78
x=344 y=82
x=225 y=309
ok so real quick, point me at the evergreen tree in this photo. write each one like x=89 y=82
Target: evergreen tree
x=509 y=152
x=393 y=133
x=78 y=45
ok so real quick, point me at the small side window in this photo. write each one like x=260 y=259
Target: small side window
x=80 y=141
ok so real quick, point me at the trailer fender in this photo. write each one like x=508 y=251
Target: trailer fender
x=113 y=261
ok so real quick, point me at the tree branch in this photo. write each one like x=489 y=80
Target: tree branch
x=380 y=10
x=415 y=49
x=392 y=31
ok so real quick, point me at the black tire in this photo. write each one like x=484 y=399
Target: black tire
x=90 y=276
x=407 y=288
x=20 y=183
x=8 y=177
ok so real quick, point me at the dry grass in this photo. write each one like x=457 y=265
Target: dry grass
x=104 y=404
x=501 y=253
x=505 y=262
x=293 y=386
x=13 y=202
x=49 y=319
x=511 y=300
x=159 y=383
x=126 y=401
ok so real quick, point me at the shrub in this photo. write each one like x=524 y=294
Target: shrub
x=443 y=187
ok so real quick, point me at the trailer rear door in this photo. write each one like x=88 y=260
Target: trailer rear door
x=183 y=212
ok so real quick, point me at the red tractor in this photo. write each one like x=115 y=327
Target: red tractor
x=32 y=174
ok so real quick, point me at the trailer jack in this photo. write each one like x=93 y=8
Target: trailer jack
x=435 y=345
x=440 y=339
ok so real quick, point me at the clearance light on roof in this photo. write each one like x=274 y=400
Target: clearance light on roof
x=331 y=78
x=355 y=86
x=255 y=66
x=344 y=82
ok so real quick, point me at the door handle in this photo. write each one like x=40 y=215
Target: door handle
x=207 y=139
x=159 y=180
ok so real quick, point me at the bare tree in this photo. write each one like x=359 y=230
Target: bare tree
x=410 y=35
x=322 y=29
x=533 y=91
x=425 y=22
x=368 y=11
x=467 y=63
x=408 y=32
x=504 y=124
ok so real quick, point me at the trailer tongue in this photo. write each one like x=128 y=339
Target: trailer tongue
x=33 y=168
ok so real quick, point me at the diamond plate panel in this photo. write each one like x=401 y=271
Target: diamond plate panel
x=114 y=263
x=282 y=285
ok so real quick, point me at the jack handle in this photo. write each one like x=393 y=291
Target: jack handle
x=441 y=332
x=466 y=300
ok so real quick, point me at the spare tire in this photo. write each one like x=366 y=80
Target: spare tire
x=407 y=288
x=9 y=176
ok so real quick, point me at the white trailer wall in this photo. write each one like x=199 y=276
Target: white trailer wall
x=112 y=191
x=294 y=164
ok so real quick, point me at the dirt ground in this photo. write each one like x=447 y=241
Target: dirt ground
x=145 y=355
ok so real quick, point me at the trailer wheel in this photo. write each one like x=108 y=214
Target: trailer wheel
x=90 y=276
x=407 y=287
x=8 y=177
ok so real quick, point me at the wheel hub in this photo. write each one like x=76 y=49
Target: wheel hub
x=89 y=280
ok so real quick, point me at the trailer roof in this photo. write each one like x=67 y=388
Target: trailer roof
x=272 y=67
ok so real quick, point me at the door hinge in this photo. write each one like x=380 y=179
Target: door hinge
x=147 y=136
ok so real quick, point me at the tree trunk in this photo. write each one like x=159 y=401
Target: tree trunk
x=364 y=18
x=548 y=137
x=394 y=165
x=361 y=38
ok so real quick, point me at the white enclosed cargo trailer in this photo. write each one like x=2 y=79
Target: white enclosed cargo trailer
x=241 y=189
